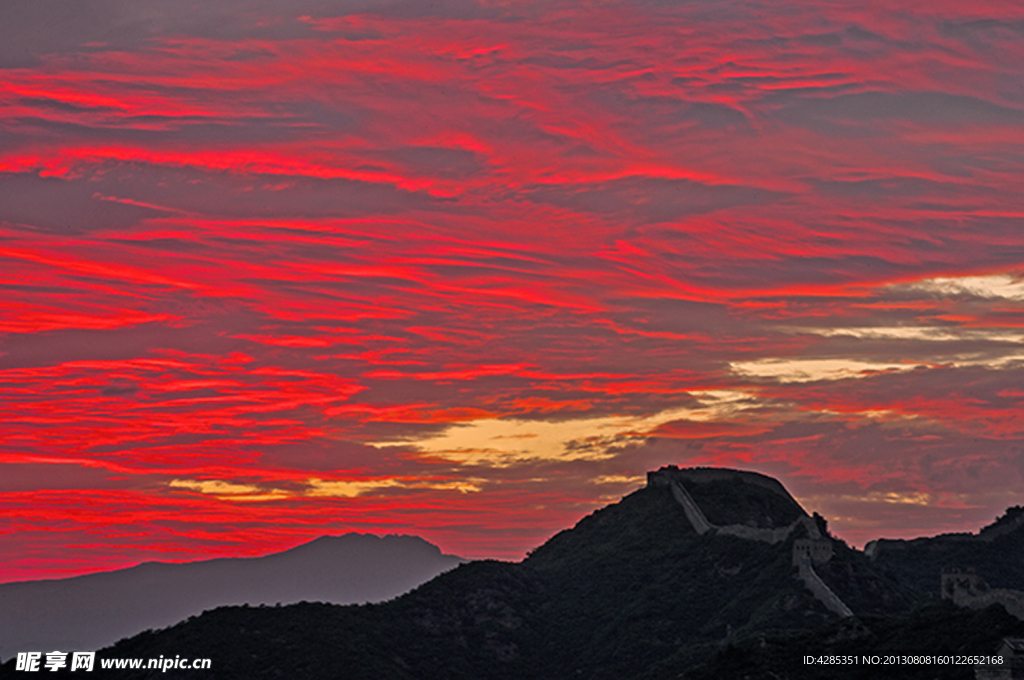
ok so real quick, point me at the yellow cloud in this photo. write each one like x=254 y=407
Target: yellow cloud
x=229 y=490
x=318 y=488
x=620 y=479
x=999 y=286
x=505 y=442
x=807 y=370
x=352 y=489
x=927 y=333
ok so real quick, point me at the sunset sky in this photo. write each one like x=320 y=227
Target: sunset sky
x=467 y=269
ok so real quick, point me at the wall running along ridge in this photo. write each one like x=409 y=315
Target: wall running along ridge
x=968 y=589
x=806 y=552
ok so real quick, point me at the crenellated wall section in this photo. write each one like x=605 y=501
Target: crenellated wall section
x=968 y=589
x=815 y=549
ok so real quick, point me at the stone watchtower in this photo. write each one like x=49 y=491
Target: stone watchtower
x=1012 y=667
x=818 y=551
x=968 y=589
x=815 y=549
x=961 y=583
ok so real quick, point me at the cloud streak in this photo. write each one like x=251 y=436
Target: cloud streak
x=469 y=269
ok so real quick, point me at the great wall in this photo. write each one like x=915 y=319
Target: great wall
x=965 y=587
x=968 y=589
x=815 y=549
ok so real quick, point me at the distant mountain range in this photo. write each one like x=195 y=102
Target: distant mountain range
x=703 y=574
x=93 y=611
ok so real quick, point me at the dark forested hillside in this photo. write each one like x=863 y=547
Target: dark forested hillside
x=996 y=554
x=632 y=591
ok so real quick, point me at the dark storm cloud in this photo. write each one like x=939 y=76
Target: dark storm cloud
x=679 y=316
x=34 y=476
x=31 y=29
x=950 y=160
x=55 y=347
x=649 y=199
x=326 y=454
x=263 y=195
x=562 y=61
x=897 y=187
x=916 y=108
x=8 y=140
x=63 y=107
x=661 y=111
x=63 y=206
x=281 y=122
x=104 y=199
x=437 y=161
x=979 y=29
x=857 y=40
